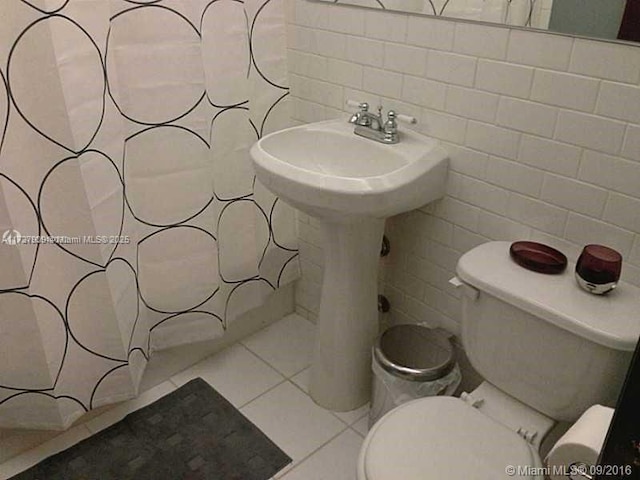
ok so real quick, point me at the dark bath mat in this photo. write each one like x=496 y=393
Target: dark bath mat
x=193 y=433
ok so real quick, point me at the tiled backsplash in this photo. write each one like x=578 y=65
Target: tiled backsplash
x=543 y=132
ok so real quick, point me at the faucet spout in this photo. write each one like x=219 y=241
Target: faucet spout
x=375 y=121
x=364 y=118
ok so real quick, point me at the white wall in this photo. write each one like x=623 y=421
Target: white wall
x=543 y=132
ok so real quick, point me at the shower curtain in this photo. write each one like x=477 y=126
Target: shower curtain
x=129 y=212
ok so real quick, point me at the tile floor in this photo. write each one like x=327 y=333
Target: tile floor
x=266 y=377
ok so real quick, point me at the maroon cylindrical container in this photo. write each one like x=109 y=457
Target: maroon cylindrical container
x=598 y=269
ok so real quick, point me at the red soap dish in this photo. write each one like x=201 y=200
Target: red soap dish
x=538 y=257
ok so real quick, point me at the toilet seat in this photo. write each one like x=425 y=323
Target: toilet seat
x=443 y=438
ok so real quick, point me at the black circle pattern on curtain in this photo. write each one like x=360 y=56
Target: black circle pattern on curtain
x=132 y=120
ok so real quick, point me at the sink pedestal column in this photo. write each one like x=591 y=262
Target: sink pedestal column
x=348 y=321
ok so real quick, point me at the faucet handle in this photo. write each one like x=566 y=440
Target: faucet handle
x=391 y=126
x=403 y=118
x=362 y=106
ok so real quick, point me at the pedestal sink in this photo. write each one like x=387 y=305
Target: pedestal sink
x=351 y=185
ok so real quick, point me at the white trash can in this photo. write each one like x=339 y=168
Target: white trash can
x=409 y=362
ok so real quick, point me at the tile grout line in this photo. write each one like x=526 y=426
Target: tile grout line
x=263 y=360
x=284 y=380
x=308 y=395
x=310 y=454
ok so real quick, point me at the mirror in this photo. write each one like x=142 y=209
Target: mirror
x=615 y=20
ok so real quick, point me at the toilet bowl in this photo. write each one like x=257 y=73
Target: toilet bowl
x=548 y=351
x=443 y=438
x=484 y=435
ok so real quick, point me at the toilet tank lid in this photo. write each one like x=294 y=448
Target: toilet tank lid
x=611 y=320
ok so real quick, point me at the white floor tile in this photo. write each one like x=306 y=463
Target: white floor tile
x=236 y=373
x=302 y=379
x=353 y=416
x=121 y=410
x=362 y=426
x=337 y=460
x=350 y=417
x=30 y=458
x=252 y=376
x=291 y=420
x=286 y=345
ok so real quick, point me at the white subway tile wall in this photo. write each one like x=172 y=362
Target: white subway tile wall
x=564 y=90
x=423 y=32
x=451 y=68
x=543 y=133
x=539 y=50
x=504 y=78
x=605 y=60
x=481 y=40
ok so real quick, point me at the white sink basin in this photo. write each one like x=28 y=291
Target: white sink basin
x=327 y=171
x=351 y=184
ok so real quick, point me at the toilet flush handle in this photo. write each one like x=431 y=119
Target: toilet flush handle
x=471 y=292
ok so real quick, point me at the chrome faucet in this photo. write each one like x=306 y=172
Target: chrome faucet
x=364 y=118
x=371 y=125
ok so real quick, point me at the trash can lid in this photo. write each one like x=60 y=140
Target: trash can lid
x=415 y=352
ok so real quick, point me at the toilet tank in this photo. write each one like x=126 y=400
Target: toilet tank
x=542 y=339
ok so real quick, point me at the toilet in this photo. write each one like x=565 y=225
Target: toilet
x=547 y=351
